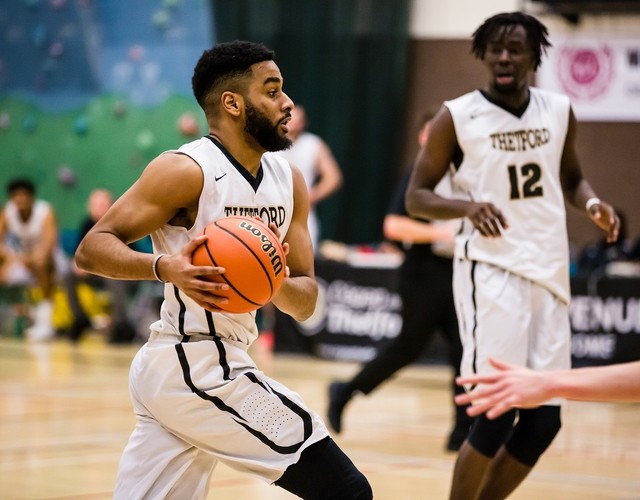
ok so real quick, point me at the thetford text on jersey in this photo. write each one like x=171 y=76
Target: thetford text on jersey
x=267 y=214
x=520 y=140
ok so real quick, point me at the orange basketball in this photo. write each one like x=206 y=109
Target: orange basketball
x=252 y=256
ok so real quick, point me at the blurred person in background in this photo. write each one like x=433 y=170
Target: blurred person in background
x=425 y=287
x=121 y=328
x=320 y=169
x=29 y=251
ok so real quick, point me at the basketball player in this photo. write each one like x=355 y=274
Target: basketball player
x=312 y=156
x=424 y=284
x=197 y=395
x=513 y=147
x=29 y=251
x=515 y=386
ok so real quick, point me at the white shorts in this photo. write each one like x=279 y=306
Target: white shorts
x=507 y=317
x=201 y=402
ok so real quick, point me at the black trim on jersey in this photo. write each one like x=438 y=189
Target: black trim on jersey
x=304 y=416
x=518 y=112
x=210 y=323
x=186 y=373
x=475 y=315
x=254 y=182
x=218 y=403
x=458 y=156
x=181 y=313
x=222 y=359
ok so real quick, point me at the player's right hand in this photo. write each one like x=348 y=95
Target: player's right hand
x=487 y=219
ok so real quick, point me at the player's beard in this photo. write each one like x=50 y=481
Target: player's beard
x=263 y=131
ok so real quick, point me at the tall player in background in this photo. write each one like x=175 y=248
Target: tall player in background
x=197 y=395
x=514 y=150
x=313 y=157
x=424 y=284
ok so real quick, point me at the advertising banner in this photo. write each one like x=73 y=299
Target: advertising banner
x=359 y=311
x=601 y=76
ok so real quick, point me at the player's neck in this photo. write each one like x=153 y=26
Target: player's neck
x=511 y=100
x=247 y=153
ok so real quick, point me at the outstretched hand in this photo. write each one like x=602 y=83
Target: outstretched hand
x=510 y=387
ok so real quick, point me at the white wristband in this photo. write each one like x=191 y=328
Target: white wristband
x=154 y=267
x=592 y=202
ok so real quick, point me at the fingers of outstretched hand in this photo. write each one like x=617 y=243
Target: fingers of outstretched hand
x=494 y=402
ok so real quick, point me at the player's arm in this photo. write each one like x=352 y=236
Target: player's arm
x=430 y=166
x=328 y=173
x=299 y=291
x=170 y=184
x=398 y=227
x=577 y=189
x=518 y=387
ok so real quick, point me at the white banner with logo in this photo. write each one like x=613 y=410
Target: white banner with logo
x=602 y=77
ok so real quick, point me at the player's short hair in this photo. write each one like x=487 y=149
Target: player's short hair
x=21 y=184
x=225 y=65
x=502 y=24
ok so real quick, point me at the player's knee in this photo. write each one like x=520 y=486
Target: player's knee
x=534 y=432
x=324 y=471
x=487 y=436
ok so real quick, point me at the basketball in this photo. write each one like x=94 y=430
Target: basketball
x=252 y=256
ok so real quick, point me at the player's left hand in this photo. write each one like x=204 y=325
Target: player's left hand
x=605 y=217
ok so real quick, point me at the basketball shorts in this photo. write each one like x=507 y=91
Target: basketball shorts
x=510 y=318
x=201 y=402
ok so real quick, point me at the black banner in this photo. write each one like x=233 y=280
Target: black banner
x=605 y=320
x=359 y=310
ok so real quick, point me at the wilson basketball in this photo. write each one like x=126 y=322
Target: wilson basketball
x=252 y=256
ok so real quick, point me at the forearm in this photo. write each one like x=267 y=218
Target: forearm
x=425 y=204
x=297 y=297
x=106 y=255
x=578 y=195
x=326 y=186
x=619 y=382
x=405 y=229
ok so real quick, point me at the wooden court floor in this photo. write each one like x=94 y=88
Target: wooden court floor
x=65 y=417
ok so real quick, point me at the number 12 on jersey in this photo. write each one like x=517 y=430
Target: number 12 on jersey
x=525 y=182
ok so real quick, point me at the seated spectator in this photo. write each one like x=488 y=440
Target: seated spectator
x=121 y=328
x=29 y=251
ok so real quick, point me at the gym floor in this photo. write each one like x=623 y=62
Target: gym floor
x=65 y=417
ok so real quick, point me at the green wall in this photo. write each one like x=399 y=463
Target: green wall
x=105 y=144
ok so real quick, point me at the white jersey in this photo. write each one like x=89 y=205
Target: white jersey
x=228 y=189
x=25 y=236
x=514 y=162
x=304 y=155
